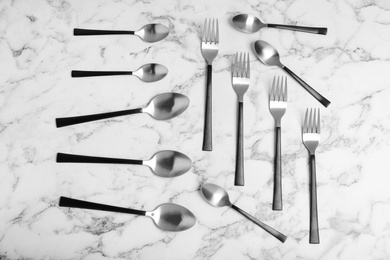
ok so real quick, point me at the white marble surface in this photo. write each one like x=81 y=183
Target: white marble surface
x=350 y=66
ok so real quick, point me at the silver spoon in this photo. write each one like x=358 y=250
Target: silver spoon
x=166 y=163
x=269 y=56
x=148 y=73
x=218 y=197
x=149 y=33
x=250 y=24
x=167 y=216
x=161 y=107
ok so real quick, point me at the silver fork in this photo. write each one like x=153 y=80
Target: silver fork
x=311 y=139
x=240 y=82
x=210 y=44
x=277 y=107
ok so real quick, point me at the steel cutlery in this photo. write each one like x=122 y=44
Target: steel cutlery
x=240 y=82
x=269 y=56
x=168 y=216
x=311 y=139
x=148 y=73
x=250 y=24
x=218 y=197
x=277 y=107
x=209 y=47
x=161 y=107
x=149 y=33
x=165 y=163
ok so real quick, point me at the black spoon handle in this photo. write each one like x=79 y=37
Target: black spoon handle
x=277 y=200
x=314 y=232
x=78 y=32
x=208 y=122
x=239 y=175
x=315 y=30
x=87 y=73
x=267 y=228
x=73 y=203
x=66 y=121
x=307 y=87
x=74 y=158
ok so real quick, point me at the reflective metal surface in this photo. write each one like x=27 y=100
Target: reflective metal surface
x=153 y=32
x=151 y=72
x=247 y=23
x=267 y=54
x=215 y=195
x=172 y=217
x=167 y=105
x=169 y=163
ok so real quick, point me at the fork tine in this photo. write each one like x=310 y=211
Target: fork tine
x=311 y=121
x=305 y=123
x=285 y=90
x=248 y=68
x=272 y=96
x=318 y=122
x=212 y=32
x=279 y=89
x=217 y=33
x=235 y=73
x=204 y=34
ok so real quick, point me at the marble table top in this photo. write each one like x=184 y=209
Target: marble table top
x=350 y=66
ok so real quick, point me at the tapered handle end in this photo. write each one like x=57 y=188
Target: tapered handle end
x=322 y=31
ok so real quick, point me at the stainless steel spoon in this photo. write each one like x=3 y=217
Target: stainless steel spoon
x=149 y=33
x=269 y=56
x=250 y=24
x=166 y=163
x=148 y=73
x=218 y=197
x=167 y=216
x=161 y=107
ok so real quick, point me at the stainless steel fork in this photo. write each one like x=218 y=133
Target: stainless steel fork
x=277 y=107
x=311 y=139
x=210 y=45
x=240 y=82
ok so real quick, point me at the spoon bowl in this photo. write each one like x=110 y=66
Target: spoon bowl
x=167 y=106
x=151 y=72
x=247 y=23
x=169 y=163
x=153 y=32
x=172 y=217
x=267 y=54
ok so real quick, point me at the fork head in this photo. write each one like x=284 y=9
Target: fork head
x=278 y=98
x=241 y=74
x=311 y=130
x=210 y=40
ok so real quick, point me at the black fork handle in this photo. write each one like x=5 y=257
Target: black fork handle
x=208 y=120
x=277 y=200
x=239 y=176
x=314 y=232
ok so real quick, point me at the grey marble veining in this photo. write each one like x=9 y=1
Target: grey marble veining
x=349 y=66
